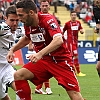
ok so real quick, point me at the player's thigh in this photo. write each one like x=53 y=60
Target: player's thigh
x=23 y=74
x=8 y=77
x=64 y=73
x=75 y=51
x=40 y=71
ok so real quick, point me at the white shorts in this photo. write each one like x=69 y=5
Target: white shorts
x=6 y=77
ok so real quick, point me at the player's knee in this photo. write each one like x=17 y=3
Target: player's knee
x=75 y=56
x=5 y=98
x=98 y=66
x=18 y=76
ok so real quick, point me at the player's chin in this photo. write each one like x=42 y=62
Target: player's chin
x=9 y=61
x=14 y=28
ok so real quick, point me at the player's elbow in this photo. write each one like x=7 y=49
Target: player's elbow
x=59 y=41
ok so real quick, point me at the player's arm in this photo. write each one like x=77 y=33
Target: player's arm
x=64 y=28
x=20 y=44
x=81 y=31
x=30 y=46
x=55 y=44
x=56 y=34
x=57 y=40
x=81 y=28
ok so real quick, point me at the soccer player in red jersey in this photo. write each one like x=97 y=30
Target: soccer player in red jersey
x=44 y=8
x=52 y=59
x=73 y=26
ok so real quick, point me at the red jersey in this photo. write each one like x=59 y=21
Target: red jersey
x=43 y=34
x=72 y=30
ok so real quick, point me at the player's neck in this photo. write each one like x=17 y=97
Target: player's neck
x=73 y=20
x=13 y=32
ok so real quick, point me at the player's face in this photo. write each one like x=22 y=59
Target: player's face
x=45 y=7
x=73 y=16
x=12 y=21
x=29 y=19
x=98 y=3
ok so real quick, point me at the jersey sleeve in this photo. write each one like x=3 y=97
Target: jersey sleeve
x=65 y=27
x=4 y=28
x=52 y=26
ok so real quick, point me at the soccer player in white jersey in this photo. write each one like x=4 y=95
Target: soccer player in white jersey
x=7 y=32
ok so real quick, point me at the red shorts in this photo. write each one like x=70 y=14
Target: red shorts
x=61 y=71
x=73 y=49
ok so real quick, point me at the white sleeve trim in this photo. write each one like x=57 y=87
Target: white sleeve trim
x=57 y=35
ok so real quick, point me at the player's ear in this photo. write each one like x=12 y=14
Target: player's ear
x=31 y=12
x=5 y=18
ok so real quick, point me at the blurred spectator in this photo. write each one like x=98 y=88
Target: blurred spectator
x=1 y=17
x=6 y=3
x=89 y=15
x=79 y=1
x=13 y=2
x=89 y=12
x=37 y=2
x=82 y=13
x=77 y=10
x=83 y=10
x=96 y=12
x=71 y=6
x=67 y=3
x=1 y=6
x=55 y=3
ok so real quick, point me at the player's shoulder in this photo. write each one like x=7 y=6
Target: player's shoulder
x=3 y=24
x=78 y=21
x=68 y=22
x=45 y=17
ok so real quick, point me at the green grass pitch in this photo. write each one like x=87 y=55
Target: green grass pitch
x=89 y=85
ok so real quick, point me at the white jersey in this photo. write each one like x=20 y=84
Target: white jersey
x=7 y=40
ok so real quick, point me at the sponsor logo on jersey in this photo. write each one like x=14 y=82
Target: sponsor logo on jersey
x=38 y=37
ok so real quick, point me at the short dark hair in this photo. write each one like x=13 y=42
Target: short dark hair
x=73 y=11
x=44 y=1
x=11 y=10
x=27 y=5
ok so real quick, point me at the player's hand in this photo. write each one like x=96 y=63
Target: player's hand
x=81 y=31
x=10 y=57
x=35 y=57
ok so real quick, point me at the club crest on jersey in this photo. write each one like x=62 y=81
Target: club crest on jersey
x=53 y=25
